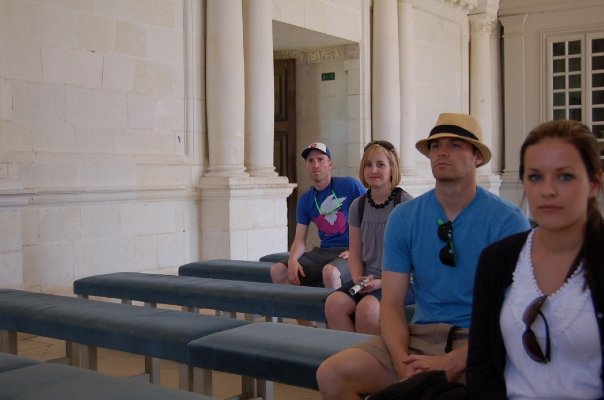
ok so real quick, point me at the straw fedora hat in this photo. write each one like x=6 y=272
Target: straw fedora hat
x=459 y=126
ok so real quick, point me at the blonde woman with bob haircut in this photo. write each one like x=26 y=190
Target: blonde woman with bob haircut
x=356 y=305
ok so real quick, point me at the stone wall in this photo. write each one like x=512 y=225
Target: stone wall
x=97 y=159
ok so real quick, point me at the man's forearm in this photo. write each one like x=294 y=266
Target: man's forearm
x=395 y=333
x=457 y=361
x=296 y=251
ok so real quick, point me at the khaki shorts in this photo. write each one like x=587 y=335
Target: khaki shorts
x=424 y=339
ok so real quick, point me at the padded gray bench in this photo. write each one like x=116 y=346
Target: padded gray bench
x=152 y=332
x=24 y=378
x=269 y=352
x=252 y=298
x=237 y=270
x=274 y=257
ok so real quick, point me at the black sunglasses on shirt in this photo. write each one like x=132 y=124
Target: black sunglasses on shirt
x=529 y=339
x=445 y=233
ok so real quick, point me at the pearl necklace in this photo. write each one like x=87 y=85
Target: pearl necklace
x=384 y=204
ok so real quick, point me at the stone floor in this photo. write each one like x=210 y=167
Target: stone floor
x=123 y=364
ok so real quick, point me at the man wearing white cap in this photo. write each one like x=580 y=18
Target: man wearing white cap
x=438 y=238
x=326 y=204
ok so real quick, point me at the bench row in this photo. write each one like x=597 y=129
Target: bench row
x=191 y=293
x=265 y=351
x=233 y=296
x=252 y=298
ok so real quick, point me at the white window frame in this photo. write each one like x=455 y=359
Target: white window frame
x=589 y=121
x=586 y=75
x=549 y=75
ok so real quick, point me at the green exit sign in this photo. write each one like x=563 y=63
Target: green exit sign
x=328 y=76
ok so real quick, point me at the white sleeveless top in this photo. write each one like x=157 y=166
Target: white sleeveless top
x=574 y=369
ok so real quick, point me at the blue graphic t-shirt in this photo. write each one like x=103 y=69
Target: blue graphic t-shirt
x=328 y=209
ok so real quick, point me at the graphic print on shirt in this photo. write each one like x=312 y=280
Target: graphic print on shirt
x=331 y=219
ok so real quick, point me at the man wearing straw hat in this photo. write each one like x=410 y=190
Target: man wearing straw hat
x=438 y=238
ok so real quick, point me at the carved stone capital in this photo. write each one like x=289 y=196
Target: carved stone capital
x=484 y=27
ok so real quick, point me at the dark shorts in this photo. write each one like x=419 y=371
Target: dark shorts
x=313 y=261
x=357 y=297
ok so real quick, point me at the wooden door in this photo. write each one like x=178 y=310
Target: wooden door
x=285 y=134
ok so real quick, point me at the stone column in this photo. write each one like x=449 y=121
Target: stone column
x=485 y=89
x=364 y=81
x=514 y=104
x=225 y=88
x=231 y=225
x=385 y=74
x=259 y=87
x=408 y=97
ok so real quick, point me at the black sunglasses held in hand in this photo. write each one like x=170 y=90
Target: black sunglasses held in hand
x=529 y=339
x=445 y=233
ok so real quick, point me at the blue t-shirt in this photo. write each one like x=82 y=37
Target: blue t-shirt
x=412 y=245
x=328 y=209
